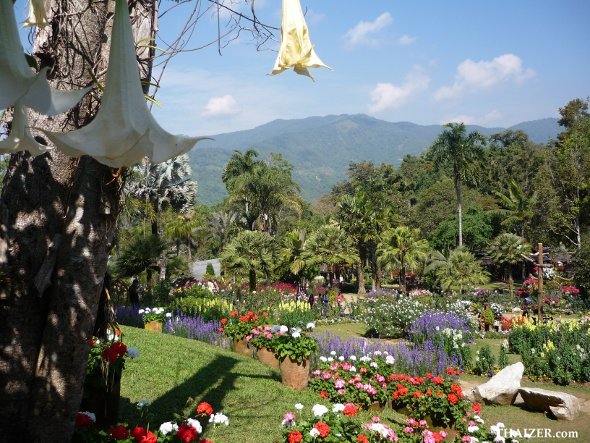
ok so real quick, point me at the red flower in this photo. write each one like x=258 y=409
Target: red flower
x=476 y=407
x=350 y=409
x=456 y=389
x=452 y=398
x=437 y=437
x=221 y=329
x=138 y=432
x=117 y=332
x=234 y=314
x=437 y=380
x=92 y=342
x=362 y=439
x=223 y=321
x=322 y=428
x=295 y=437
x=265 y=315
x=428 y=375
x=324 y=394
x=450 y=370
x=149 y=438
x=119 y=432
x=417 y=394
x=82 y=420
x=187 y=433
x=429 y=392
x=204 y=408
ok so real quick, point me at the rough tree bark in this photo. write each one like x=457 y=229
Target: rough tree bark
x=57 y=220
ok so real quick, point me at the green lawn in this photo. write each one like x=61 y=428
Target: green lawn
x=172 y=371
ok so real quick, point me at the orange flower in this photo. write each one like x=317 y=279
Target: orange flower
x=452 y=398
x=204 y=408
x=450 y=370
x=223 y=321
x=234 y=314
x=362 y=439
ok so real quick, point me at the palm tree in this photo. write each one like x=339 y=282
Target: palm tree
x=401 y=249
x=293 y=250
x=519 y=208
x=457 y=272
x=459 y=151
x=221 y=225
x=249 y=252
x=330 y=246
x=180 y=227
x=509 y=249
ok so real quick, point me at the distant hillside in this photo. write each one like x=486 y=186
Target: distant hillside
x=321 y=148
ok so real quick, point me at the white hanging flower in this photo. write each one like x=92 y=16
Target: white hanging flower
x=195 y=424
x=20 y=137
x=37 y=14
x=296 y=50
x=123 y=131
x=169 y=426
x=19 y=82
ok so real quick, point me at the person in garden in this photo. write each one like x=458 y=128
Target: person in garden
x=133 y=293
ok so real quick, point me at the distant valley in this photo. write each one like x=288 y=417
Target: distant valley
x=321 y=148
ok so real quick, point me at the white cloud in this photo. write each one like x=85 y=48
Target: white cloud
x=474 y=76
x=389 y=96
x=363 y=32
x=221 y=106
x=490 y=117
x=406 y=40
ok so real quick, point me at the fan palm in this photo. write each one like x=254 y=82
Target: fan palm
x=519 y=208
x=457 y=272
x=509 y=249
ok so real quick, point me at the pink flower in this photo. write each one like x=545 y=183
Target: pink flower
x=376 y=419
x=339 y=383
x=423 y=423
x=341 y=391
x=316 y=372
x=289 y=416
x=408 y=430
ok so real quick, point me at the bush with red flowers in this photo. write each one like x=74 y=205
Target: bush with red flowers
x=237 y=326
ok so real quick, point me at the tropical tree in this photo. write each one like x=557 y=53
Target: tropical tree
x=179 y=228
x=249 y=253
x=292 y=251
x=221 y=225
x=402 y=249
x=519 y=209
x=330 y=246
x=140 y=254
x=457 y=272
x=458 y=151
x=507 y=250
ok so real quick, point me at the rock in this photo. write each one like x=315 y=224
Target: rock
x=563 y=406
x=502 y=388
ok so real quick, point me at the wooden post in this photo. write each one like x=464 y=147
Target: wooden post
x=540 y=288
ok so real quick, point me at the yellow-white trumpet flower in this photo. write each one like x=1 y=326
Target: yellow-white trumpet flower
x=37 y=13
x=18 y=82
x=296 y=50
x=20 y=137
x=123 y=131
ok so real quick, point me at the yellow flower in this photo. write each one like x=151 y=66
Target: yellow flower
x=123 y=131
x=296 y=50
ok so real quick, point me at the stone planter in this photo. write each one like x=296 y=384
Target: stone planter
x=242 y=347
x=295 y=375
x=268 y=358
x=155 y=326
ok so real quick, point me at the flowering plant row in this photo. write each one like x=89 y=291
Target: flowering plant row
x=183 y=430
x=237 y=327
x=336 y=424
x=154 y=314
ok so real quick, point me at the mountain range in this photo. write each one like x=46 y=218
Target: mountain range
x=321 y=148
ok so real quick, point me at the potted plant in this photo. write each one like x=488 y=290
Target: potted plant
x=153 y=318
x=488 y=318
x=238 y=327
x=261 y=337
x=292 y=348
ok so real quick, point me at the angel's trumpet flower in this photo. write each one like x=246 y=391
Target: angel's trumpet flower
x=20 y=137
x=123 y=131
x=296 y=50
x=18 y=82
x=37 y=13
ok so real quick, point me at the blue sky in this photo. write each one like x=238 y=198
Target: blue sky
x=493 y=63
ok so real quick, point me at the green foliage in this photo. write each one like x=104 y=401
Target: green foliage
x=209 y=270
x=484 y=361
x=209 y=308
x=297 y=317
x=581 y=267
x=457 y=272
x=140 y=254
x=477 y=231
x=388 y=317
x=502 y=358
x=296 y=345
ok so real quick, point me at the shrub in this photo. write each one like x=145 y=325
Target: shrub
x=209 y=269
x=210 y=308
x=390 y=317
x=484 y=361
x=296 y=317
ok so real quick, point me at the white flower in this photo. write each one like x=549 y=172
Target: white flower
x=472 y=428
x=132 y=352
x=169 y=426
x=168 y=315
x=219 y=419
x=314 y=432
x=319 y=410
x=341 y=358
x=378 y=353
x=90 y=415
x=195 y=424
x=310 y=325
x=296 y=334
x=353 y=358
x=299 y=406
x=338 y=407
x=374 y=364
x=323 y=359
x=365 y=358
x=284 y=329
x=143 y=404
x=390 y=360
x=352 y=369
x=333 y=353
x=499 y=439
x=330 y=359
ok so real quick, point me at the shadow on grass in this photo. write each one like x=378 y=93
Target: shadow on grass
x=211 y=383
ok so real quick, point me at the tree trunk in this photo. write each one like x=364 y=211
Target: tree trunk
x=361 y=272
x=459 y=208
x=57 y=221
x=252 y=279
